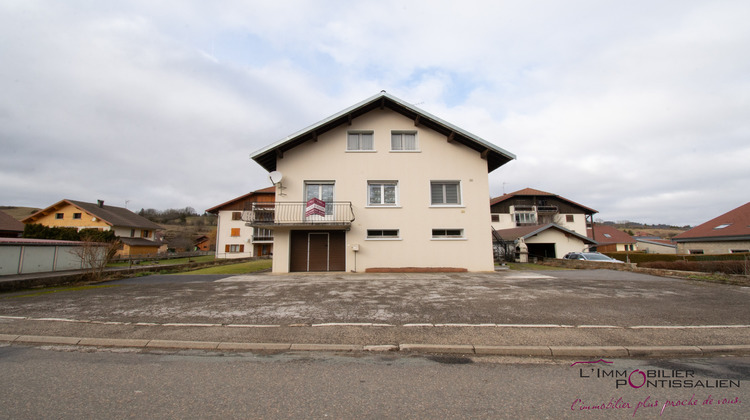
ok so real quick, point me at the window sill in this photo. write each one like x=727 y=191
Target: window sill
x=382 y=207
x=383 y=239
x=361 y=151
x=448 y=206
x=448 y=239
x=405 y=151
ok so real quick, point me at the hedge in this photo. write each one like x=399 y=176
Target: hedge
x=722 y=263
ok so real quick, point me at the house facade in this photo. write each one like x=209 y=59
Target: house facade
x=654 y=245
x=138 y=234
x=611 y=239
x=234 y=238
x=529 y=214
x=380 y=186
x=726 y=234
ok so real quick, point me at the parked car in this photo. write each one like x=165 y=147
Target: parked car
x=590 y=256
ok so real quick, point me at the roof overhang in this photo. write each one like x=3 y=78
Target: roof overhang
x=494 y=155
x=530 y=231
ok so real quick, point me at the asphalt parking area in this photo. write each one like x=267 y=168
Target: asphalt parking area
x=577 y=298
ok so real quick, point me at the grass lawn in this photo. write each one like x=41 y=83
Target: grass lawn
x=240 y=268
x=202 y=258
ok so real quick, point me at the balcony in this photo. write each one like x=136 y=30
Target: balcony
x=338 y=214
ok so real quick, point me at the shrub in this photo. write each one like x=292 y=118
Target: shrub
x=726 y=267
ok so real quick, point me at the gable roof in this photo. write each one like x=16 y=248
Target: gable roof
x=732 y=225
x=9 y=224
x=268 y=190
x=604 y=235
x=527 y=232
x=111 y=215
x=530 y=192
x=495 y=155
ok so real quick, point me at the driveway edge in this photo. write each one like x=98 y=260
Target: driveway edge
x=519 y=351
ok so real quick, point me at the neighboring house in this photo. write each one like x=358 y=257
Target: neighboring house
x=380 y=186
x=654 y=245
x=138 y=234
x=532 y=214
x=9 y=226
x=543 y=241
x=726 y=234
x=202 y=243
x=234 y=238
x=610 y=239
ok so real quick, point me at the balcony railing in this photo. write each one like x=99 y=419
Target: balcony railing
x=292 y=213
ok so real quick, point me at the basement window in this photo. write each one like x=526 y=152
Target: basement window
x=447 y=234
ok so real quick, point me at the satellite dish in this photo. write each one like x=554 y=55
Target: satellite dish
x=275 y=177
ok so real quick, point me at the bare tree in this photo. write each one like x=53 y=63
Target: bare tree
x=95 y=254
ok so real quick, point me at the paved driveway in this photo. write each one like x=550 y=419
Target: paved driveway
x=581 y=297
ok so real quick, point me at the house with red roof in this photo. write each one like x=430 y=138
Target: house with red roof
x=610 y=239
x=726 y=234
x=234 y=238
x=550 y=225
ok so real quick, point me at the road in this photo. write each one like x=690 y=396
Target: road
x=66 y=383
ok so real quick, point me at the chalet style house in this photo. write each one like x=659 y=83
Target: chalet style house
x=234 y=238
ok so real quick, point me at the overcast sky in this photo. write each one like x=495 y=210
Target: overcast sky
x=638 y=109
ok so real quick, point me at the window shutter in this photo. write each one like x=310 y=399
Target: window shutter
x=352 y=141
x=451 y=193
x=396 y=142
x=226 y=248
x=242 y=248
x=367 y=143
x=410 y=141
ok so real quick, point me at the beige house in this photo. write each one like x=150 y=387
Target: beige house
x=380 y=186
x=725 y=234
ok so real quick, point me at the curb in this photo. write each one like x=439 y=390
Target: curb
x=521 y=351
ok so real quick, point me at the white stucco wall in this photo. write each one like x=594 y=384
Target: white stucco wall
x=224 y=236
x=563 y=243
x=414 y=217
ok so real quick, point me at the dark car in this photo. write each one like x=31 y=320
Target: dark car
x=590 y=256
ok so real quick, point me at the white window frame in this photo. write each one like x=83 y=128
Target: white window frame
x=359 y=141
x=382 y=184
x=400 y=135
x=381 y=237
x=329 y=203
x=526 y=215
x=459 y=192
x=448 y=234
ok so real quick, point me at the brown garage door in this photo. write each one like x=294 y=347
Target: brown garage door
x=317 y=250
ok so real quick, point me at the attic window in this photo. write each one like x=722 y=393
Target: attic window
x=607 y=235
x=722 y=226
x=358 y=141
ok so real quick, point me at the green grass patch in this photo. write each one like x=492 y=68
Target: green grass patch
x=202 y=258
x=48 y=291
x=240 y=268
